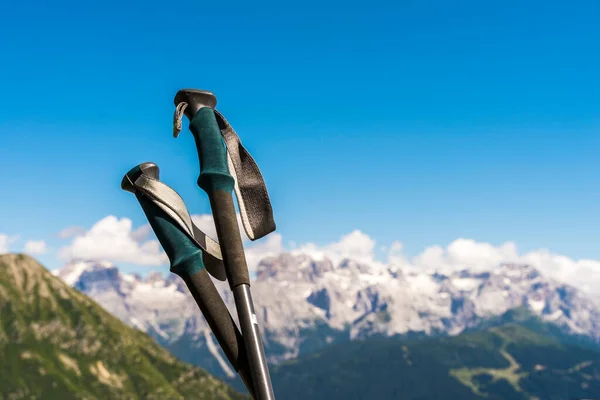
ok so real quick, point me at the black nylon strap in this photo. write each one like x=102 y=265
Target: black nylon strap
x=250 y=188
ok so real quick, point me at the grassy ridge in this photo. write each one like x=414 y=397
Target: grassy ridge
x=55 y=343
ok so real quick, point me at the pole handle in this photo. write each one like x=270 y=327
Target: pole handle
x=176 y=243
x=214 y=171
x=200 y=109
x=215 y=179
x=186 y=261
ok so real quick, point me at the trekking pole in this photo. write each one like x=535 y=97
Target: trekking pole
x=183 y=243
x=217 y=163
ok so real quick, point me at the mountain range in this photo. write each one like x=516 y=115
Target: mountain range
x=305 y=303
x=56 y=343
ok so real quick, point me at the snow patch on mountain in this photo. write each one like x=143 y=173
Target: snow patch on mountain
x=72 y=271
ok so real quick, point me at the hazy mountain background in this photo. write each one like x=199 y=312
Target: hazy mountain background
x=506 y=332
x=60 y=344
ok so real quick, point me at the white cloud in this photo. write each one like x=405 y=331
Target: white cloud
x=466 y=253
x=431 y=257
x=396 y=254
x=70 y=232
x=114 y=240
x=141 y=233
x=584 y=274
x=355 y=245
x=6 y=241
x=35 y=247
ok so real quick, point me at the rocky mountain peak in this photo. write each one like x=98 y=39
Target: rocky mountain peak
x=73 y=271
x=292 y=266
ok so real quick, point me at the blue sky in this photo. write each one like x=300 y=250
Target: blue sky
x=421 y=122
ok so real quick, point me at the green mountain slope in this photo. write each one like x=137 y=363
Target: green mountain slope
x=508 y=361
x=55 y=343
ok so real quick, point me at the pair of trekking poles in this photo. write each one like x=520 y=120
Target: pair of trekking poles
x=225 y=166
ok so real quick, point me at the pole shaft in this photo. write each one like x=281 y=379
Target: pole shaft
x=253 y=342
x=234 y=258
x=215 y=312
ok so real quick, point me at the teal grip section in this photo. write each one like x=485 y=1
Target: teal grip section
x=185 y=256
x=214 y=173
